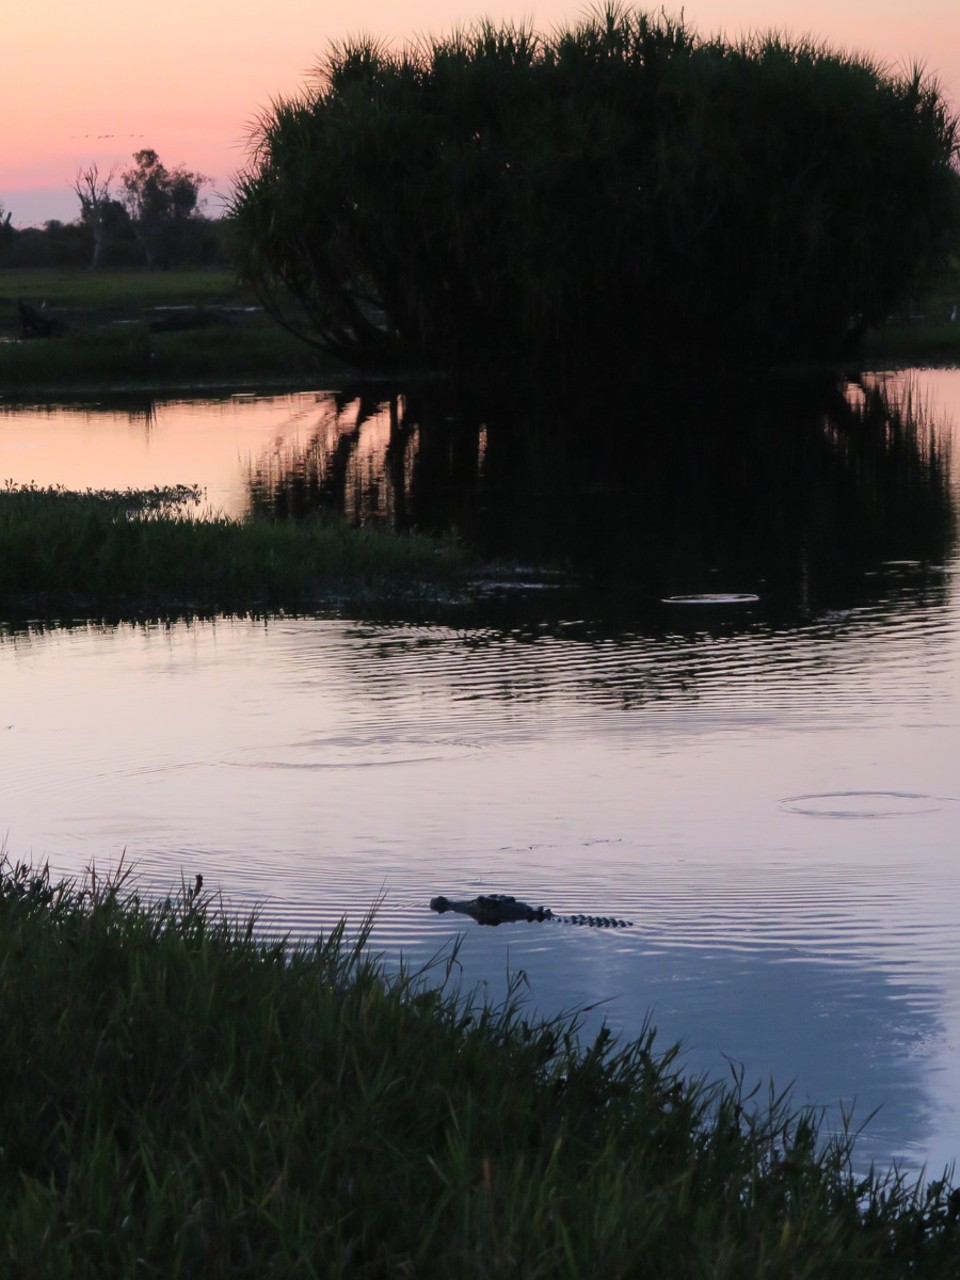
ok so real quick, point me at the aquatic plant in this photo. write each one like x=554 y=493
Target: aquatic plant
x=184 y=1096
x=129 y=553
x=500 y=201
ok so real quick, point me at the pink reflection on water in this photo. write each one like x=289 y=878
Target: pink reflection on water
x=199 y=442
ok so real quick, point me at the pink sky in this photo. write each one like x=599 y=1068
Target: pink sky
x=94 y=82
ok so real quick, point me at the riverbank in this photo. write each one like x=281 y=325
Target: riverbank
x=138 y=329
x=134 y=554
x=201 y=328
x=183 y=1096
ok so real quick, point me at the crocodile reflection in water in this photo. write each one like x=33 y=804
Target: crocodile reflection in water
x=500 y=908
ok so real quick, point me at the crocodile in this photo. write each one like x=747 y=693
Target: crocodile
x=500 y=908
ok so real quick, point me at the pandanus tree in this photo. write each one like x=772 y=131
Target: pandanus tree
x=620 y=191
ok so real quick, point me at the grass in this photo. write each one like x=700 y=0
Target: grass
x=184 y=1097
x=120 y=288
x=242 y=347
x=65 y=554
x=250 y=352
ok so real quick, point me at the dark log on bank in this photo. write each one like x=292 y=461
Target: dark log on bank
x=36 y=323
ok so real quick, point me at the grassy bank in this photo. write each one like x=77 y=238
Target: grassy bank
x=114 y=332
x=119 y=289
x=252 y=351
x=182 y=1098
x=131 y=554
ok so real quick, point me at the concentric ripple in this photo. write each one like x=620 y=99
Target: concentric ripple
x=864 y=804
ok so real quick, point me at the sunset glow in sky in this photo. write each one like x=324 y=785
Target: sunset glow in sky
x=93 y=83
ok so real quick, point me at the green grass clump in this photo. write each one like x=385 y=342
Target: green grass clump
x=131 y=553
x=96 y=358
x=247 y=353
x=182 y=1097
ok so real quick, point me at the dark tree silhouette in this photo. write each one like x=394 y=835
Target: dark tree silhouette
x=621 y=195
x=161 y=202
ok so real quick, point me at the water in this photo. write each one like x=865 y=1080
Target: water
x=768 y=789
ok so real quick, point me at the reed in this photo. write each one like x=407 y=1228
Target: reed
x=609 y=196
x=185 y=1097
x=130 y=553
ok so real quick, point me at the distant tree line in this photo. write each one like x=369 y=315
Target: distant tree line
x=151 y=219
x=620 y=192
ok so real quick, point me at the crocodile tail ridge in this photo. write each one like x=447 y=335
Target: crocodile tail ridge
x=594 y=922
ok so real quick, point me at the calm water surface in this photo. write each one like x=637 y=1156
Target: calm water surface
x=775 y=803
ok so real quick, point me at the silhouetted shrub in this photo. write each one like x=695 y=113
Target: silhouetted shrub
x=623 y=191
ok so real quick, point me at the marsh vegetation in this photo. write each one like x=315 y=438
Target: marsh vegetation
x=128 y=554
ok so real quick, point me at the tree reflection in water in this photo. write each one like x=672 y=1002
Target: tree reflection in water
x=798 y=490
